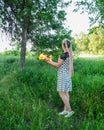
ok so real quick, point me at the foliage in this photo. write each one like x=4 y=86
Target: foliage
x=95 y=9
x=92 y=42
x=52 y=43
x=96 y=44
x=42 y=16
x=31 y=20
x=100 y=6
x=28 y=97
x=82 y=41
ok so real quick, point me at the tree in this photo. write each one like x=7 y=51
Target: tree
x=25 y=19
x=95 y=9
x=96 y=40
x=92 y=42
x=82 y=41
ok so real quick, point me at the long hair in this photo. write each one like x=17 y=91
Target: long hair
x=68 y=45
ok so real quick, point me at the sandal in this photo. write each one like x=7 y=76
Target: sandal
x=64 y=112
x=69 y=114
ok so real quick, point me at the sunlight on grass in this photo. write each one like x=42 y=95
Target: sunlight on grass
x=86 y=55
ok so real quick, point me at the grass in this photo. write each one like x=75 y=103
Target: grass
x=29 y=101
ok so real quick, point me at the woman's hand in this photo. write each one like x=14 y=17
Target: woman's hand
x=48 y=59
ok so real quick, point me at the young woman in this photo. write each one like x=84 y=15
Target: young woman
x=65 y=70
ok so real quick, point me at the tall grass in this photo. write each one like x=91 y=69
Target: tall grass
x=29 y=100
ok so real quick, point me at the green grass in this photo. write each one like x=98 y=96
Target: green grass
x=29 y=100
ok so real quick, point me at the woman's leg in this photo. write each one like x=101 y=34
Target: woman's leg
x=65 y=98
x=67 y=94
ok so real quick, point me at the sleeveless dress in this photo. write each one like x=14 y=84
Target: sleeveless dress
x=64 y=82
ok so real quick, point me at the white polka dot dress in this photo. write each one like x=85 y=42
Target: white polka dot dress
x=64 y=82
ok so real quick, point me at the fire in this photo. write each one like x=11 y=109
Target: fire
x=44 y=56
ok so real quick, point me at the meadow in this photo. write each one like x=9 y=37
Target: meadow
x=29 y=100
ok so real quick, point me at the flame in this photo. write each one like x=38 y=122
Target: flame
x=43 y=57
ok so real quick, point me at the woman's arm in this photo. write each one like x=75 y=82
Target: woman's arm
x=55 y=64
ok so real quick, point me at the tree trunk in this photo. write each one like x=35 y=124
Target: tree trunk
x=23 y=44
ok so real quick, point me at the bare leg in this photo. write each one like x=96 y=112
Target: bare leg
x=67 y=94
x=65 y=98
